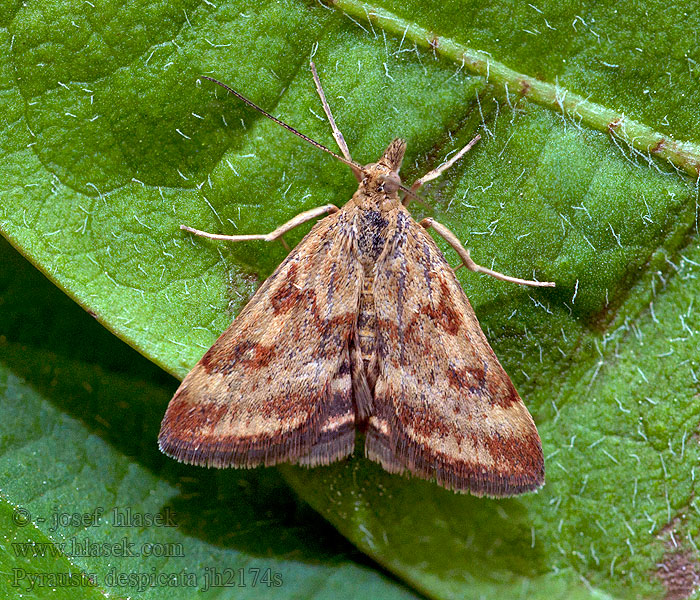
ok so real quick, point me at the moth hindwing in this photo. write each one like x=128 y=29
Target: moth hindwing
x=363 y=327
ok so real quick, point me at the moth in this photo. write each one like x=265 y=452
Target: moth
x=363 y=328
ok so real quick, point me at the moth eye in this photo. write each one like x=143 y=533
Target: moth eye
x=390 y=182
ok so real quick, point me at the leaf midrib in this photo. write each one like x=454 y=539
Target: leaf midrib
x=681 y=154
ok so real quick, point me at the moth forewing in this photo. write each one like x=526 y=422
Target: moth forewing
x=363 y=326
x=444 y=407
x=275 y=386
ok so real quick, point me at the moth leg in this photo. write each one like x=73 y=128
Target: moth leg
x=440 y=170
x=452 y=240
x=301 y=218
x=337 y=134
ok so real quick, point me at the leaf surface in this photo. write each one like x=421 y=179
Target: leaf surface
x=586 y=175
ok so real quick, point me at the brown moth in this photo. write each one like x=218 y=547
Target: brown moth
x=363 y=327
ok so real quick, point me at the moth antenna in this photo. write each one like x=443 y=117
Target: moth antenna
x=350 y=163
x=411 y=193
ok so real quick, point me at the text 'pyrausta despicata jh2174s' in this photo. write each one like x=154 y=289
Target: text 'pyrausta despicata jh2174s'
x=364 y=327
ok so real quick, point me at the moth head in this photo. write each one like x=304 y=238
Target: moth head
x=377 y=177
x=383 y=176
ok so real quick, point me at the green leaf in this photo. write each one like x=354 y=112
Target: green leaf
x=585 y=175
x=79 y=471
